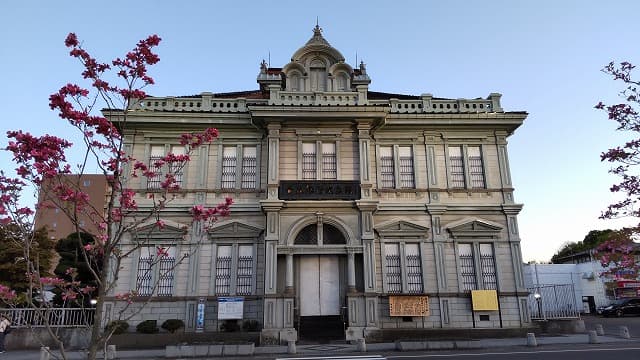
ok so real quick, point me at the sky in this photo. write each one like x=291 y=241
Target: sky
x=544 y=56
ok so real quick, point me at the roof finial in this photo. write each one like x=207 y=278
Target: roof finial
x=317 y=31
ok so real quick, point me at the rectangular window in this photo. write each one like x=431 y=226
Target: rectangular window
x=456 y=167
x=387 y=179
x=229 y=162
x=249 y=167
x=467 y=267
x=234 y=270
x=155 y=155
x=393 y=267
x=155 y=264
x=223 y=270
x=244 y=280
x=488 y=267
x=407 y=180
x=410 y=264
x=476 y=168
x=329 y=163
x=413 y=265
x=309 y=162
x=177 y=168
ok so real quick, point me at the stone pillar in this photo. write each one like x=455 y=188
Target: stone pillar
x=351 y=272
x=289 y=290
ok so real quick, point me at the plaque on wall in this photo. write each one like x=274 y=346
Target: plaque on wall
x=484 y=300
x=412 y=305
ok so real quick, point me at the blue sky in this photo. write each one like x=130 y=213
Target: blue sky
x=544 y=56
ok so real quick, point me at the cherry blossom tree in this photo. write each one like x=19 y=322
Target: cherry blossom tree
x=617 y=253
x=99 y=112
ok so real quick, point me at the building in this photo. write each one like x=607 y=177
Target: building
x=357 y=213
x=57 y=219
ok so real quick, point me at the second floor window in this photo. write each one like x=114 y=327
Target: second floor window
x=247 y=167
x=469 y=270
x=309 y=161
x=323 y=166
x=156 y=155
x=466 y=167
x=396 y=167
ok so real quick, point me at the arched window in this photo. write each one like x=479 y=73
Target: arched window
x=294 y=81
x=330 y=235
x=318 y=76
x=342 y=82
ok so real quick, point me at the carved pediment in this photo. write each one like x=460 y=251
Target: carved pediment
x=169 y=231
x=402 y=228
x=474 y=227
x=235 y=229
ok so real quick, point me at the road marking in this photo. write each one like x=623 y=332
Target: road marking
x=506 y=353
x=357 y=357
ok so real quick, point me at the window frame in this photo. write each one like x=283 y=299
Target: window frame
x=320 y=172
x=167 y=148
x=239 y=174
x=155 y=270
x=397 y=166
x=468 y=176
x=401 y=246
x=233 y=269
x=481 y=278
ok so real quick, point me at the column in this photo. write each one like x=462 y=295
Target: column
x=289 y=290
x=351 y=272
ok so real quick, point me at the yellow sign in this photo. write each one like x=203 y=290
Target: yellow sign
x=408 y=306
x=486 y=300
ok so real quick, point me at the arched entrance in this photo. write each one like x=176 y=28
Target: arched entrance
x=321 y=282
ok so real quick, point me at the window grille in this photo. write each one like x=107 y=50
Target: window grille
x=467 y=268
x=456 y=167
x=329 y=164
x=244 y=280
x=476 y=170
x=309 y=163
x=414 y=269
x=249 y=167
x=407 y=177
x=176 y=168
x=165 y=278
x=144 y=279
x=156 y=154
x=223 y=270
x=387 y=179
x=229 y=160
x=307 y=236
x=488 y=266
x=394 y=276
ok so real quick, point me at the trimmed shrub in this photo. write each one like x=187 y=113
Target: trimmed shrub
x=148 y=327
x=251 y=325
x=117 y=326
x=172 y=325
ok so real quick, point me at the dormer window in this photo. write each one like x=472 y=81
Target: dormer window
x=318 y=76
x=294 y=81
x=342 y=82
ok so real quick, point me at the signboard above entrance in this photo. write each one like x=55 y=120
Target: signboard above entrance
x=408 y=305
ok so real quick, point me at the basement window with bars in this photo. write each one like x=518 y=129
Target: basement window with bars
x=403 y=268
x=156 y=270
x=234 y=270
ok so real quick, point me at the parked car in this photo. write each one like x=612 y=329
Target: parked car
x=621 y=307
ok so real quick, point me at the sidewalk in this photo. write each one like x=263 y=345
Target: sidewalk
x=337 y=349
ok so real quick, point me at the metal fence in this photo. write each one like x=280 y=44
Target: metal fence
x=553 y=302
x=55 y=317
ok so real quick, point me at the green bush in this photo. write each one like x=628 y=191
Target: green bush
x=230 y=326
x=172 y=325
x=117 y=326
x=251 y=325
x=148 y=327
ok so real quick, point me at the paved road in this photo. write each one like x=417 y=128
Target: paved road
x=612 y=325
